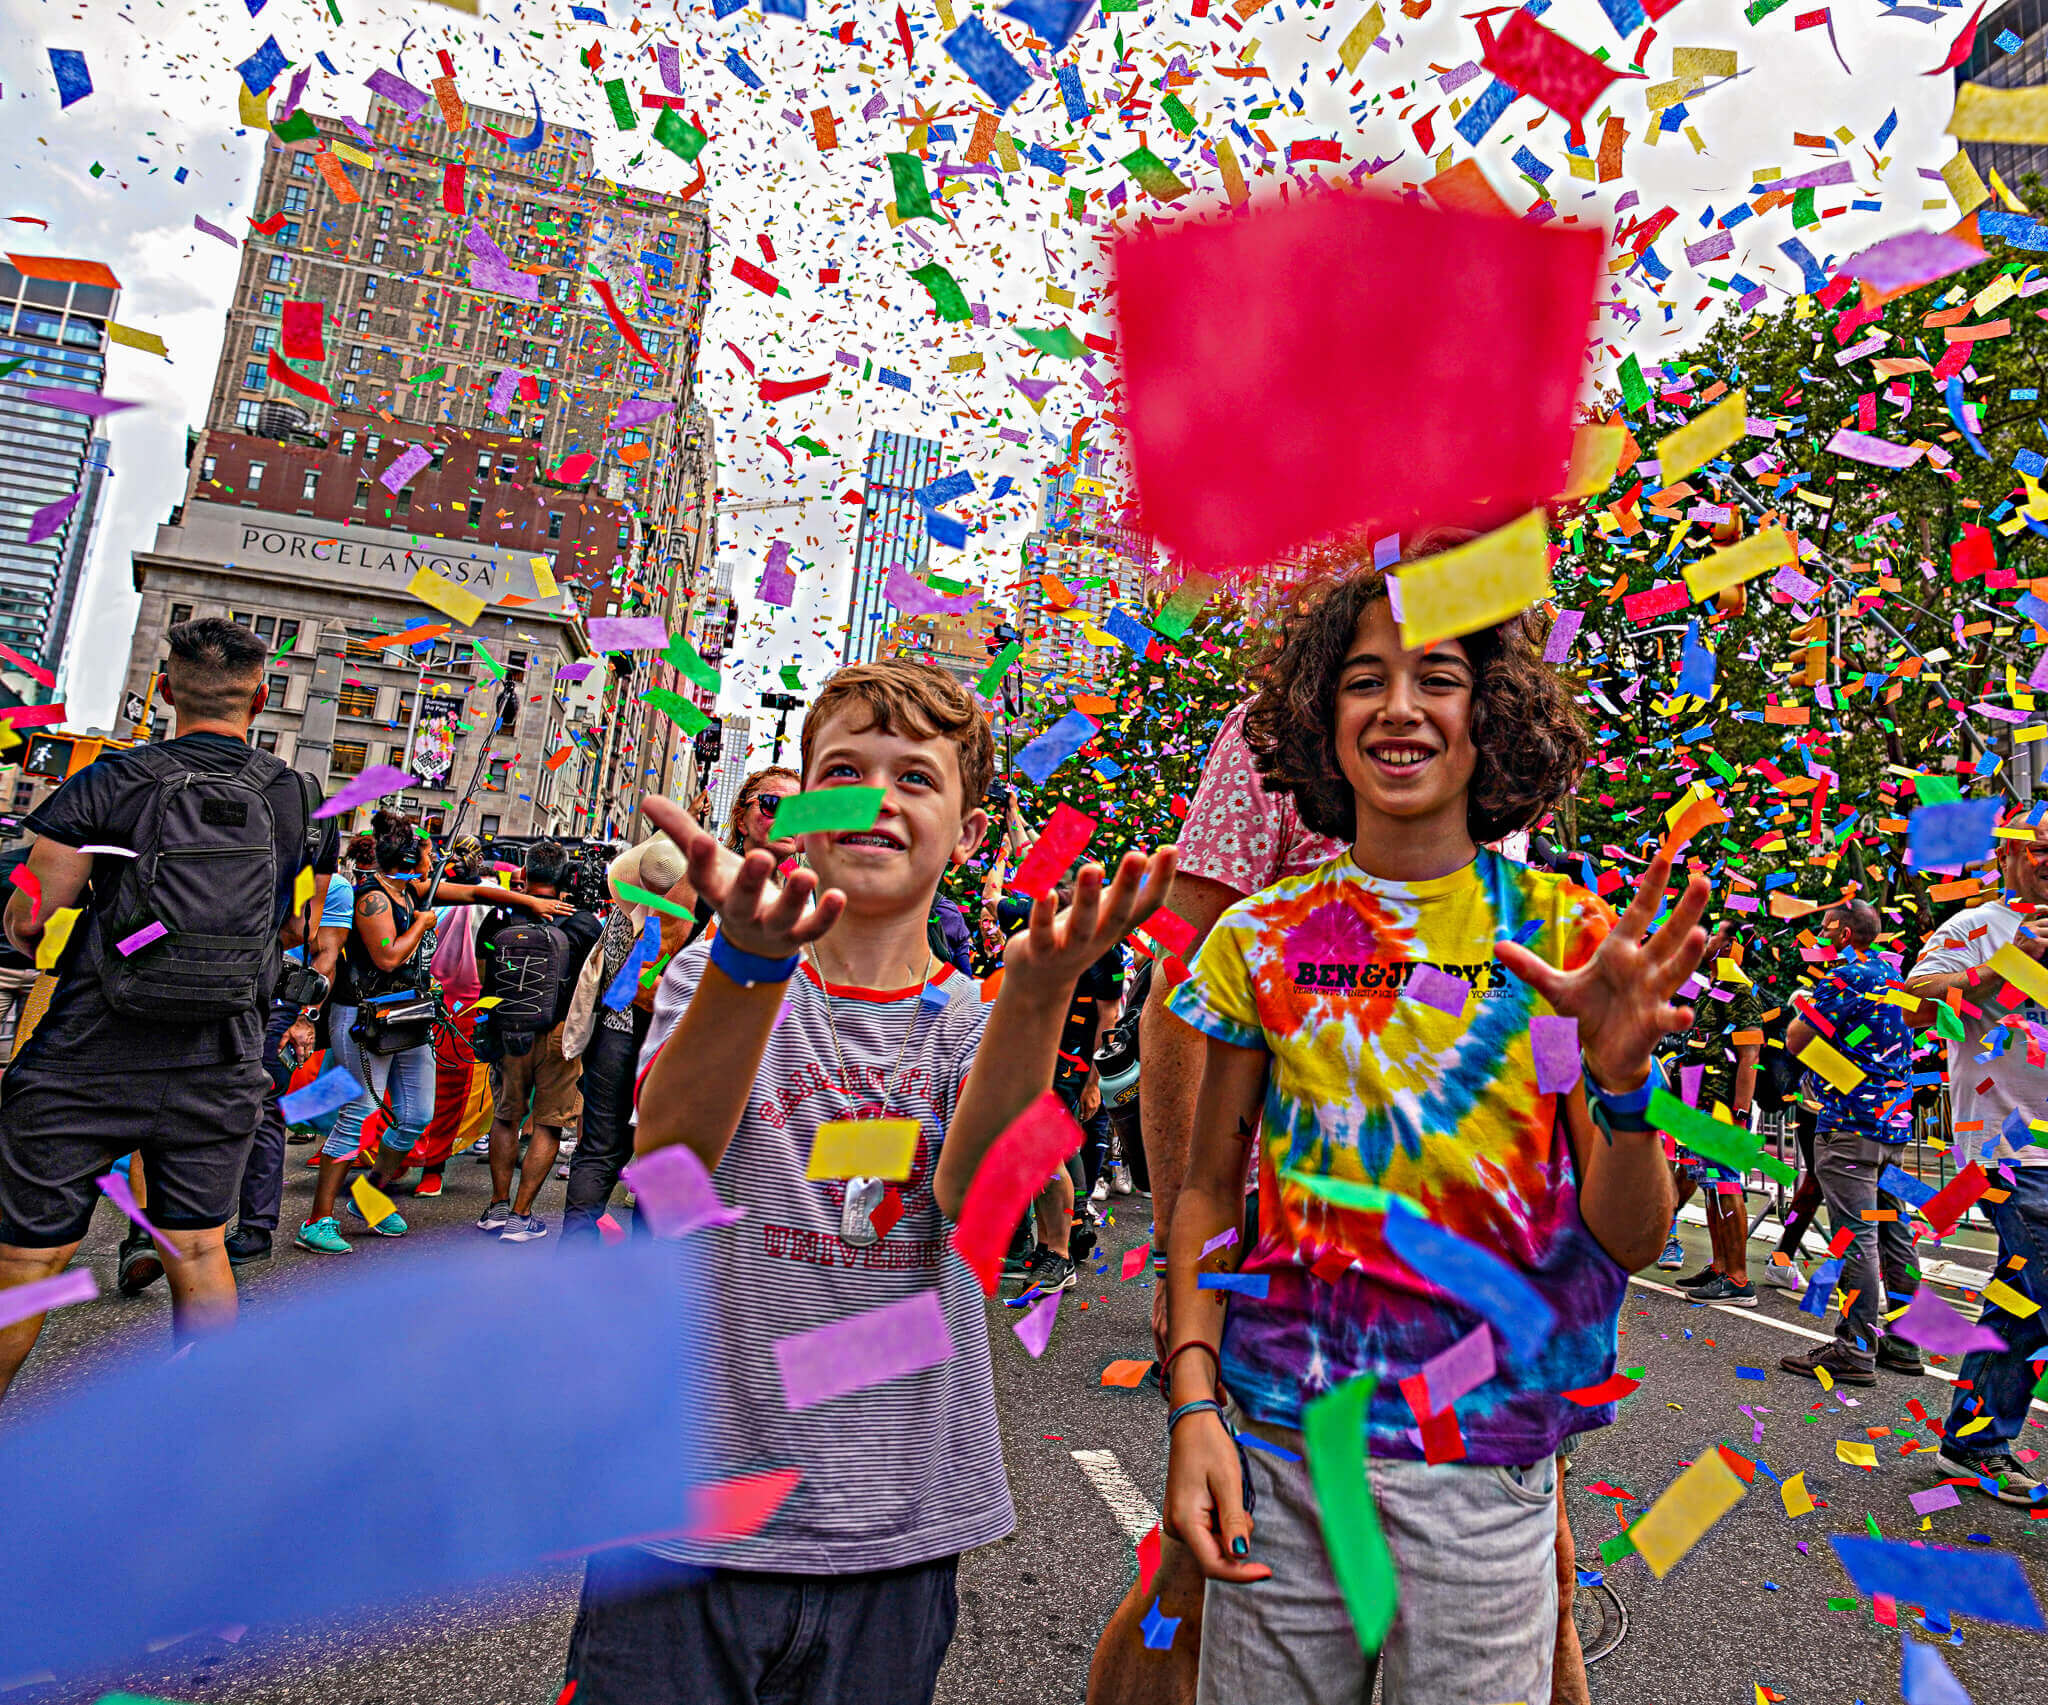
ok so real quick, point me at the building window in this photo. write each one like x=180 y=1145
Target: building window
x=296 y=197
x=266 y=628
x=483 y=464
x=370 y=446
x=348 y=443
x=476 y=510
x=362 y=493
x=180 y=613
x=369 y=290
x=266 y=739
x=404 y=716
x=255 y=375
x=355 y=358
x=553 y=353
x=248 y=416
x=288 y=233
x=501 y=773
x=359 y=646
x=255 y=479
x=279 y=270
x=404 y=504
x=506 y=470
x=270 y=302
x=348 y=393
x=206 y=468
x=302 y=165
x=349 y=757
x=356 y=699
x=487 y=825
x=275 y=685
x=242 y=618
x=383 y=218
x=554 y=525
x=311 y=488
x=261 y=343
x=362 y=319
x=377 y=250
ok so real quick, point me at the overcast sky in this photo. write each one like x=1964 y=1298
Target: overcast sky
x=165 y=97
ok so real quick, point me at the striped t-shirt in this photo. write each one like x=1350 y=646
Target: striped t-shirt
x=894 y=1474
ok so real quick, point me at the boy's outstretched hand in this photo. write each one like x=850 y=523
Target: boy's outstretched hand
x=756 y=913
x=1622 y=995
x=1055 y=947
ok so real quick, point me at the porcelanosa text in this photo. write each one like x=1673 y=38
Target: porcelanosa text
x=463 y=571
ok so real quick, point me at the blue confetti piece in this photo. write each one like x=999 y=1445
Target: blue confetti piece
x=889 y=376
x=1884 y=130
x=589 y=15
x=1159 y=1630
x=180 y=175
x=1002 y=486
x=960 y=484
x=326 y=64
x=1047 y=160
x=934 y=997
x=1528 y=162
x=2007 y=41
x=1988 y=1586
x=1121 y=624
x=255 y=6
x=1055 y=20
x=740 y=68
x=782 y=8
x=946 y=531
x=2029 y=462
x=2016 y=229
x=74 y=80
x=261 y=68
x=1925 y=1678
x=328 y=1093
x=1952 y=394
x=1069 y=79
x=1955 y=833
x=974 y=48
x=1904 y=1186
x=1252 y=1441
x=1108 y=768
x=1056 y=745
x=529 y=142
x=1802 y=257
x=726 y=8
x=1742 y=1372
x=1627 y=16
x=1481 y=1281
x=1485 y=112
x=1244 y=1284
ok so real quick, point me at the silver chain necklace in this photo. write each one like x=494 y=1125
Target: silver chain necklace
x=864 y=1195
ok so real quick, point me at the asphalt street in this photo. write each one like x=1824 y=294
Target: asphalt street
x=1747 y=1609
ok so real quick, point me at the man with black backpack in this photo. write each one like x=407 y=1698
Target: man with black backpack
x=190 y=862
x=529 y=967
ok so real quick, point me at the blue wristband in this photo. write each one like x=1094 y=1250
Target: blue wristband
x=1635 y=1100
x=747 y=969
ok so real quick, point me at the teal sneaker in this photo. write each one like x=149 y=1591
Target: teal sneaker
x=323 y=1237
x=391 y=1225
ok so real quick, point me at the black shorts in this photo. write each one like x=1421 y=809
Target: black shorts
x=60 y=1132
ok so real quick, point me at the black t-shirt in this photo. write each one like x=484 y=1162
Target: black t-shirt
x=581 y=927
x=1100 y=984
x=357 y=977
x=102 y=806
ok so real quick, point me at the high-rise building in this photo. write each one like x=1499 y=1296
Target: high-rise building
x=2024 y=67
x=729 y=772
x=1081 y=563
x=53 y=322
x=892 y=535
x=420 y=371
x=78 y=556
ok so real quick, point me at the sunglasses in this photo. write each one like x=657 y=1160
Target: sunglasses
x=766 y=803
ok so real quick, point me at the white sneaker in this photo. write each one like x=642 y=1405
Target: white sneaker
x=1781 y=1278
x=1101 y=1191
x=1120 y=1179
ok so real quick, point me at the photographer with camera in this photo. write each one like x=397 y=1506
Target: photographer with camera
x=182 y=859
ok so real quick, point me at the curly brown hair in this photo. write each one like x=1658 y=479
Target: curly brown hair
x=1530 y=739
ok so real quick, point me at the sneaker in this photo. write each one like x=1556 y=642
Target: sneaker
x=1839 y=1368
x=1101 y=1191
x=1057 y=1273
x=1720 y=1288
x=2015 y=1485
x=494 y=1217
x=391 y=1225
x=247 y=1246
x=1120 y=1179
x=1786 y=1278
x=1022 y=1259
x=481 y=1153
x=323 y=1237
x=141 y=1265
x=1673 y=1257
x=1693 y=1281
x=1895 y=1355
x=430 y=1183
x=523 y=1228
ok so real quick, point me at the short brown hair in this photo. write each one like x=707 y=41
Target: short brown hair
x=930 y=703
x=1530 y=739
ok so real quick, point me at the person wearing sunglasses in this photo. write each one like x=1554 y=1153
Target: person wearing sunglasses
x=752 y=823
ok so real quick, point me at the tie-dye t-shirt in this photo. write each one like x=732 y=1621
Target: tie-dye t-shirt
x=1372 y=1087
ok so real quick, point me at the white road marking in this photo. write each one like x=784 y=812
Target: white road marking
x=1757 y=1314
x=1133 y=1511
x=1957 y=1275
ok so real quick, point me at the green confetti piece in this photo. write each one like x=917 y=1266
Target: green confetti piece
x=1333 y=1432
x=1178 y=613
x=992 y=676
x=1154 y=175
x=681 y=655
x=428 y=377
x=487 y=660
x=13 y=366
x=1176 y=109
x=813 y=446
x=1616 y=1547
x=913 y=199
x=1841 y=1604
x=792 y=677
x=828 y=811
x=1635 y=389
x=1758 y=10
x=622 y=104
x=1803 y=210
x=659 y=902
x=333 y=11
x=947 y=296
x=1713 y=1140
x=677 y=709
x=678 y=135
x=1349 y=1193
x=1052 y=340
x=298 y=128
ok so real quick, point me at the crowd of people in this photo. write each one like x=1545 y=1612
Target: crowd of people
x=1354 y=1098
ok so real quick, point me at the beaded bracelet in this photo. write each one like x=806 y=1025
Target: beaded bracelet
x=1196 y=1407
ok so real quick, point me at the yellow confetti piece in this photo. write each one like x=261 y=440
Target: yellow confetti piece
x=252 y=110
x=1985 y=114
x=544 y=578
x=55 y=934
x=1856 y=1453
x=1233 y=174
x=148 y=342
x=1691 y=1504
x=2022 y=972
x=863 y=1148
x=1758 y=554
x=444 y=595
x=354 y=156
x=1964 y=183
x=2010 y=1300
x=1798 y=1502
x=1596 y=456
x=1827 y=1380
x=302 y=890
x=377 y=1207
x=1703 y=62
x=1475 y=585
x=1700 y=440
x=964 y=363
x=1821 y=1056
x=1363 y=34
x=1969 y=1427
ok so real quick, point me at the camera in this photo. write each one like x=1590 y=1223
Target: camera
x=301 y=985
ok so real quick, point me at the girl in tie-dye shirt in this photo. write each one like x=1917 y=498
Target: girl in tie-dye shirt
x=1428 y=1198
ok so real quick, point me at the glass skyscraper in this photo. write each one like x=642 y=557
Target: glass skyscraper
x=892 y=532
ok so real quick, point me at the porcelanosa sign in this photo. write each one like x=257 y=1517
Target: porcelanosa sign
x=353 y=556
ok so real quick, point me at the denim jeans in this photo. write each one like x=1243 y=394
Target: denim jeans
x=263 y=1177
x=2002 y=1381
x=407 y=1077
x=609 y=1061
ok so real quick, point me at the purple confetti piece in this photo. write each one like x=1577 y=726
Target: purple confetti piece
x=671 y=1187
x=868 y=1349
x=1438 y=989
x=489 y=269
x=51 y=517
x=1934 y=1498
x=1554 y=1041
x=574 y=671
x=78 y=402
x=1566 y=629
x=212 y=230
x=638 y=411
x=778 y=587
x=1710 y=248
x=1222 y=1240
x=153 y=931
x=914 y=598
x=374 y=783
x=669 y=59
x=505 y=390
x=1795 y=585
x=403 y=466
x=1933 y=1325
x=1034 y=1331
x=2037 y=681
x=1465 y=1366
x=41 y=1295
x=627 y=633
x=1821 y=177
x=396 y=90
x=1911 y=258
x=117 y=1192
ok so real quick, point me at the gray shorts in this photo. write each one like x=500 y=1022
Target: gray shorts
x=1475 y=1550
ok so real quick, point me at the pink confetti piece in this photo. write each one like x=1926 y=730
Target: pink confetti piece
x=1934 y=1498
x=39 y=1297
x=374 y=783
x=1555 y=1043
x=1135 y=1260
x=627 y=633
x=1012 y=1172
x=1465 y=1366
x=1034 y=1331
x=116 y=1190
x=154 y=931
x=1438 y=989
x=1222 y=1240
x=869 y=1349
x=671 y=1187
